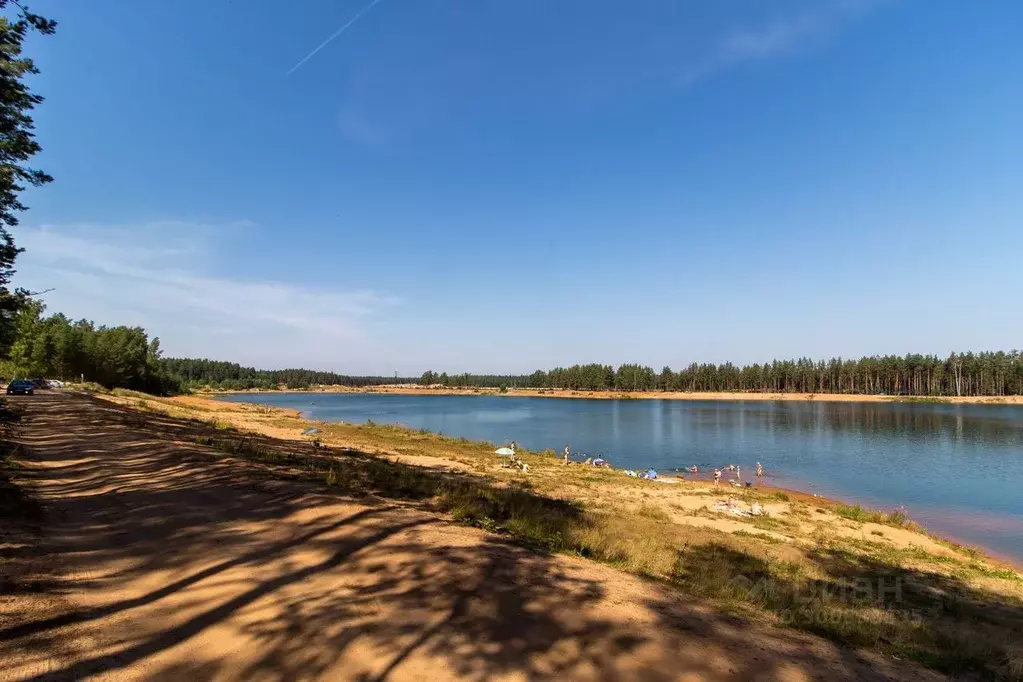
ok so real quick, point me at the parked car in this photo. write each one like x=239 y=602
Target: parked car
x=23 y=386
x=54 y=383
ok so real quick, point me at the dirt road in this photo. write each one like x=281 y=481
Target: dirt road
x=161 y=559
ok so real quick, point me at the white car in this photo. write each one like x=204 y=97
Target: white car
x=54 y=383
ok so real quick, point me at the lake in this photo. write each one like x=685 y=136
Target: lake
x=958 y=469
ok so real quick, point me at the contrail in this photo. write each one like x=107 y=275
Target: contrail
x=333 y=36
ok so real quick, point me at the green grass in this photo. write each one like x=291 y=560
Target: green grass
x=532 y=520
x=655 y=512
x=770 y=539
x=898 y=517
x=127 y=393
x=833 y=594
x=1000 y=573
x=767 y=522
x=965 y=550
x=242 y=446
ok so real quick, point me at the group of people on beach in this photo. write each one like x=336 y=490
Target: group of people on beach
x=589 y=461
x=651 y=473
x=737 y=481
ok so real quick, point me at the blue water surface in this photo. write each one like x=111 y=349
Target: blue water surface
x=957 y=468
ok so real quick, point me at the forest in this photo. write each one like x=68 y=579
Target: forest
x=230 y=376
x=960 y=374
x=56 y=347
x=468 y=380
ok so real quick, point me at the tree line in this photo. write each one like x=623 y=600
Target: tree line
x=230 y=376
x=54 y=347
x=960 y=374
x=467 y=380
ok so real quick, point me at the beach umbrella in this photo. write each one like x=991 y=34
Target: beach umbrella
x=506 y=452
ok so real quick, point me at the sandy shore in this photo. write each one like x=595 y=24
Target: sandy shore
x=240 y=414
x=164 y=558
x=652 y=395
x=435 y=451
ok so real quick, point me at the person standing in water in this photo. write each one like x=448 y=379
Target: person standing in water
x=760 y=469
x=717 y=476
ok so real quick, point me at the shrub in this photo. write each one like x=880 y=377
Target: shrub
x=897 y=517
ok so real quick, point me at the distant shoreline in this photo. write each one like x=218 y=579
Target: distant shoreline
x=645 y=395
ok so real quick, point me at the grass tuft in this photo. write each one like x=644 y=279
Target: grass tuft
x=770 y=539
x=897 y=517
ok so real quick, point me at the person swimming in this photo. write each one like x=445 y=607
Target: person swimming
x=693 y=469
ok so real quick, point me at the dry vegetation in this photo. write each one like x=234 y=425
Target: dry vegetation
x=861 y=577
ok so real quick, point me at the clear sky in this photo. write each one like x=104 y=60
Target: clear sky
x=501 y=185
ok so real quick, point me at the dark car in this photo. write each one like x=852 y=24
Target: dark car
x=21 y=386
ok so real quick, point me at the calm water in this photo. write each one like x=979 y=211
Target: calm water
x=956 y=468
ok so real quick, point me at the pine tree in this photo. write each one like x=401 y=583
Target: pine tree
x=17 y=146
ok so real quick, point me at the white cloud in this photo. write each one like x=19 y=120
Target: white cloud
x=418 y=85
x=148 y=276
x=776 y=38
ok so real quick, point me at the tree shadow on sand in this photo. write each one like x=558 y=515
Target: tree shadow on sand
x=936 y=619
x=200 y=565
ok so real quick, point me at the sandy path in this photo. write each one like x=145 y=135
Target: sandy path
x=164 y=560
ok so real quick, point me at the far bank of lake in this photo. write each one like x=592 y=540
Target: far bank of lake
x=406 y=389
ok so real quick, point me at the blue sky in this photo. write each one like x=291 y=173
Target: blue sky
x=498 y=185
